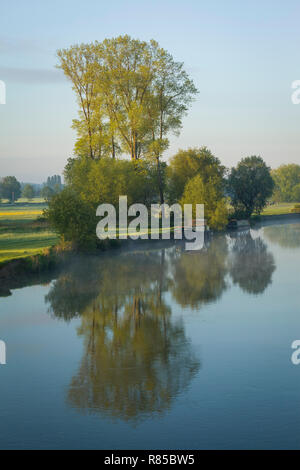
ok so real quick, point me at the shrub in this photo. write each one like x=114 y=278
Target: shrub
x=209 y=193
x=73 y=218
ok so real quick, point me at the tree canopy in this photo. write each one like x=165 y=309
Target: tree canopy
x=287 y=183
x=188 y=163
x=250 y=185
x=131 y=95
x=28 y=191
x=210 y=193
x=10 y=188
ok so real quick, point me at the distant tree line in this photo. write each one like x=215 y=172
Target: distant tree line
x=11 y=189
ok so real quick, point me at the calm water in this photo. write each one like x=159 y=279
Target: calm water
x=158 y=348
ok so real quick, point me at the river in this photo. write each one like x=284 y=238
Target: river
x=158 y=348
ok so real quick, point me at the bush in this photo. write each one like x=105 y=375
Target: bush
x=210 y=194
x=250 y=185
x=73 y=218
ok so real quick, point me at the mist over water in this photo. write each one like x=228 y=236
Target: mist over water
x=158 y=347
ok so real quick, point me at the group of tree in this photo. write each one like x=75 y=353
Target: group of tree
x=52 y=186
x=193 y=176
x=132 y=95
x=54 y=182
x=11 y=189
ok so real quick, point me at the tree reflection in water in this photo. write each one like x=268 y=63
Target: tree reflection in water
x=199 y=276
x=286 y=235
x=251 y=264
x=137 y=358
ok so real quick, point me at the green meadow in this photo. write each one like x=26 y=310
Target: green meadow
x=279 y=209
x=22 y=233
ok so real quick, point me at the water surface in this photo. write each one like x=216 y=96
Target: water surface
x=158 y=348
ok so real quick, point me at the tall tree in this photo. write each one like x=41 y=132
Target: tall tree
x=287 y=183
x=10 y=188
x=250 y=185
x=131 y=93
x=28 y=191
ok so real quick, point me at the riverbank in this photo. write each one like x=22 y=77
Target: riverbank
x=267 y=219
x=45 y=266
x=30 y=270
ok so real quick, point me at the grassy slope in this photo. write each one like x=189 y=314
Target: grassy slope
x=20 y=234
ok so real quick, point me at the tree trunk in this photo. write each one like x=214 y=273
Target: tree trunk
x=160 y=183
x=113 y=147
x=90 y=144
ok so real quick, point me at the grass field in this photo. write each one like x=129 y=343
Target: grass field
x=20 y=212
x=279 y=209
x=21 y=234
x=24 y=200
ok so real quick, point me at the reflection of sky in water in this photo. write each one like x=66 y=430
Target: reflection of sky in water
x=159 y=348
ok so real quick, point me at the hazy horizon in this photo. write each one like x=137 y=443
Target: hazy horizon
x=242 y=58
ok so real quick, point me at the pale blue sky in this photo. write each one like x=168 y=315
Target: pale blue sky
x=243 y=57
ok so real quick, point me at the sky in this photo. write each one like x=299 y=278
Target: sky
x=242 y=56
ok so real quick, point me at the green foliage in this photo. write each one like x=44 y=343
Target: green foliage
x=209 y=193
x=287 y=183
x=73 y=218
x=10 y=188
x=131 y=93
x=250 y=185
x=104 y=180
x=186 y=164
x=28 y=191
